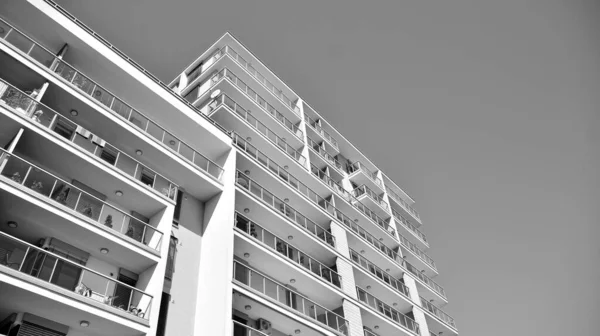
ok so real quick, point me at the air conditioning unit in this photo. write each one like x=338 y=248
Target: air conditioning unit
x=263 y=325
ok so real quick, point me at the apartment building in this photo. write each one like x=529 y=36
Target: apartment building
x=218 y=204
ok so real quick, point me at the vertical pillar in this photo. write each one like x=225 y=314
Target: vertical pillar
x=214 y=296
x=344 y=267
x=414 y=296
x=354 y=318
x=302 y=127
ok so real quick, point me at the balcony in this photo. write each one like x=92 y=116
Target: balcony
x=52 y=271
x=382 y=275
x=320 y=132
x=281 y=246
x=263 y=81
x=364 y=192
x=282 y=295
x=438 y=313
x=22 y=105
x=53 y=190
x=362 y=175
x=409 y=228
x=106 y=100
x=280 y=206
x=224 y=102
x=242 y=329
x=417 y=256
x=322 y=158
x=390 y=313
x=403 y=205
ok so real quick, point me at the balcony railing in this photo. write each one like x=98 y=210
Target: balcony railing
x=364 y=190
x=438 y=312
x=279 y=205
x=121 y=54
x=379 y=273
x=279 y=142
x=15 y=170
x=353 y=201
x=59 y=271
x=314 y=125
x=427 y=280
x=369 y=333
x=387 y=311
x=262 y=80
x=24 y=106
x=407 y=244
x=403 y=203
x=246 y=330
x=217 y=54
x=107 y=100
x=281 y=294
x=357 y=166
x=323 y=153
x=404 y=222
x=281 y=246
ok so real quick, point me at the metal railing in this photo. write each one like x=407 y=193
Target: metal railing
x=281 y=294
x=107 y=100
x=407 y=244
x=237 y=82
x=279 y=205
x=319 y=129
x=386 y=310
x=59 y=271
x=348 y=197
x=369 y=333
x=15 y=170
x=364 y=190
x=246 y=330
x=357 y=166
x=129 y=60
x=262 y=80
x=379 y=273
x=403 y=203
x=430 y=307
x=293 y=253
x=279 y=142
x=323 y=153
x=427 y=280
x=404 y=222
x=83 y=139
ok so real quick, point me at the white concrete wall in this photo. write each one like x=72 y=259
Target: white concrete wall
x=414 y=296
x=353 y=316
x=214 y=296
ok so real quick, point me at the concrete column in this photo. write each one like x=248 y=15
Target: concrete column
x=414 y=296
x=214 y=296
x=302 y=127
x=353 y=316
x=344 y=267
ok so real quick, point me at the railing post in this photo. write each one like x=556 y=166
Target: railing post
x=24 y=258
x=53 y=269
x=144 y=234
x=26 y=175
x=77 y=202
x=52 y=190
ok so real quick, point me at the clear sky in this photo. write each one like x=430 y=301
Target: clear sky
x=486 y=112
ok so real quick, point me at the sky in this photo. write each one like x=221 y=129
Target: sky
x=486 y=112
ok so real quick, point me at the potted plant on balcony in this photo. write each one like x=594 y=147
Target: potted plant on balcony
x=16 y=177
x=37 y=186
x=62 y=194
x=108 y=221
x=87 y=210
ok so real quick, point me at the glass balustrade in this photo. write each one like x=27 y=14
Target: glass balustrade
x=260 y=101
x=364 y=190
x=323 y=154
x=15 y=170
x=262 y=80
x=427 y=280
x=279 y=142
x=281 y=294
x=121 y=54
x=379 y=273
x=106 y=99
x=240 y=329
x=53 y=268
x=404 y=222
x=292 y=253
x=315 y=126
x=357 y=166
x=279 y=205
x=387 y=311
x=430 y=307
x=407 y=244
x=403 y=203
x=83 y=139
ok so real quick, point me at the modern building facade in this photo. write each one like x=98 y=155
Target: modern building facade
x=218 y=204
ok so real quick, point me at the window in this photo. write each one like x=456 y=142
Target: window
x=108 y=156
x=162 y=314
x=147 y=177
x=64 y=130
x=171 y=258
x=177 y=212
